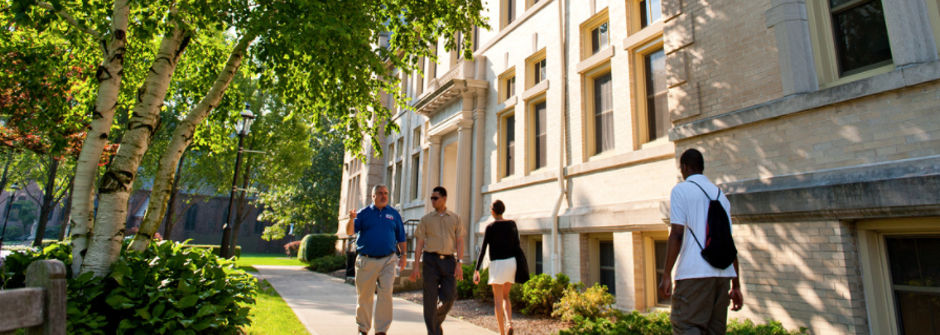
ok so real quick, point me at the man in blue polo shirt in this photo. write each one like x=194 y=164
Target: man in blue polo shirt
x=380 y=231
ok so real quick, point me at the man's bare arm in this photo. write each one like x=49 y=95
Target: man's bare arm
x=351 y=224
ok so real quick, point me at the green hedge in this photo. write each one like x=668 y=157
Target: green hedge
x=328 y=263
x=314 y=246
x=169 y=288
x=214 y=248
x=659 y=324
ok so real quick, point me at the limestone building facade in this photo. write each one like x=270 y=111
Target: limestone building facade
x=819 y=118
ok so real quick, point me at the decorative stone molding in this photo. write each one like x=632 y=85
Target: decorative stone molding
x=904 y=188
x=790 y=23
x=451 y=86
x=910 y=31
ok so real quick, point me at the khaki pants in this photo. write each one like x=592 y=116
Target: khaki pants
x=370 y=271
x=700 y=306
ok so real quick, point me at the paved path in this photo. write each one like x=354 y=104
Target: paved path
x=327 y=306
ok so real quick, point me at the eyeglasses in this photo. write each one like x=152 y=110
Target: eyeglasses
x=434 y=198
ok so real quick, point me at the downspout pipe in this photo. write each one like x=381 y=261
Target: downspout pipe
x=557 y=252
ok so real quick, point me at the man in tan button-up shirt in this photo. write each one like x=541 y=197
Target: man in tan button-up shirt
x=440 y=245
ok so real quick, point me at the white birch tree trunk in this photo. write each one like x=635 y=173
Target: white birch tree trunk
x=86 y=170
x=182 y=137
x=115 y=188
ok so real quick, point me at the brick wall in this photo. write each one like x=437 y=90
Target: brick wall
x=804 y=274
x=881 y=128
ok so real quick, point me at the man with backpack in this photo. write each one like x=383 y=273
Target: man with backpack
x=700 y=237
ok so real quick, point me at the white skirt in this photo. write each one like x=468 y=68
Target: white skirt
x=502 y=271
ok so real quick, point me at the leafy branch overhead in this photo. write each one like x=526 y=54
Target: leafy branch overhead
x=174 y=64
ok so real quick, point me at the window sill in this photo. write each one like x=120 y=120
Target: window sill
x=597 y=59
x=535 y=177
x=508 y=103
x=539 y=88
x=647 y=34
x=650 y=153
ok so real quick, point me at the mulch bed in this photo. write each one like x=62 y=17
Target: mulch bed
x=482 y=314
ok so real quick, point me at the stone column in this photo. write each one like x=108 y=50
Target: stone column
x=479 y=208
x=434 y=169
x=464 y=170
x=910 y=32
x=790 y=23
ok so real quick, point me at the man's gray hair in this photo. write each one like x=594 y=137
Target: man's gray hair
x=377 y=186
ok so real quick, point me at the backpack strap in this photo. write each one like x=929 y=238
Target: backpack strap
x=709 y=199
x=706 y=193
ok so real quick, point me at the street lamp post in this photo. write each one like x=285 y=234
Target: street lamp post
x=242 y=128
x=6 y=216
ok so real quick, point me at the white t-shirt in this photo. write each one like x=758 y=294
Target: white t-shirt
x=689 y=207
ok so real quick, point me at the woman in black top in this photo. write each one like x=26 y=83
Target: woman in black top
x=502 y=241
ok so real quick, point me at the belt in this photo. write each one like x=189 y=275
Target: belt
x=441 y=256
x=370 y=256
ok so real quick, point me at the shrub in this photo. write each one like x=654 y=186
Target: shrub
x=593 y=303
x=316 y=245
x=747 y=327
x=328 y=263
x=482 y=291
x=466 y=287
x=659 y=324
x=291 y=248
x=170 y=287
x=541 y=292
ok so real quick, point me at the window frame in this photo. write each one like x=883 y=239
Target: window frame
x=824 y=48
x=876 y=274
x=502 y=86
x=507 y=13
x=640 y=106
x=587 y=29
x=532 y=157
x=651 y=293
x=589 y=124
x=531 y=66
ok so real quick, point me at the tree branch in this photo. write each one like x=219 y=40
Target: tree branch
x=70 y=19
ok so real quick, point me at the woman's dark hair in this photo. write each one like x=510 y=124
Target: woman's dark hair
x=498 y=207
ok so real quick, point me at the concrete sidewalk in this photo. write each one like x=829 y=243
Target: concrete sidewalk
x=327 y=306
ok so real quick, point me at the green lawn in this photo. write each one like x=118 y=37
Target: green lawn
x=266 y=259
x=271 y=315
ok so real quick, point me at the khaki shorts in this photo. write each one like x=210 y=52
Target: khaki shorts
x=700 y=305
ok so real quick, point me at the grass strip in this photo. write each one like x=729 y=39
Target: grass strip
x=271 y=315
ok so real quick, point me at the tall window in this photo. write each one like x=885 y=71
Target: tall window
x=259 y=227
x=607 y=268
x=509 y=151
x=539 y=115
x=860 y=35
x=538 y=257
x=353 y=186
x=508 y=13
x=915 y=282
x=603 y=114
x=539 y=71
x=659 y=251
x=415 y=169
x=657 y=113
x=599 y=38
x=510 y=87
x=191 y=215
x=650 y=11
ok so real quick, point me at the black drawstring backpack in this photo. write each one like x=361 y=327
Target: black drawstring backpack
x=719 y=250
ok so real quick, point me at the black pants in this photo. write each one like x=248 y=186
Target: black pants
x=439 y=284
